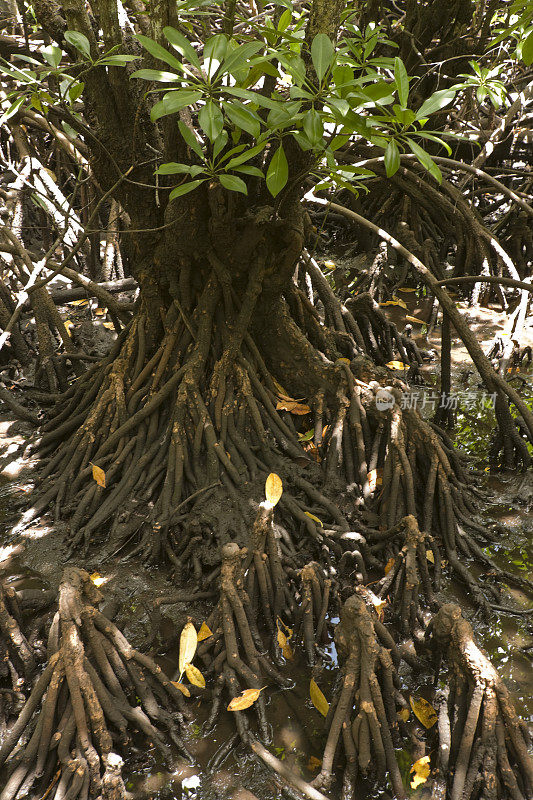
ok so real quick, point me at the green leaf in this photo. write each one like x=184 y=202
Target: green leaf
x=191 y=140
x=402 y=81
x=313 y=127
x=155 y=75
x=182 y=45
x=322 y=54
x=75 y=90
x=278 y=172
x=12 y=110
x=527 y=50
x=175 y=168
x=216 y=47
x=246 y=156
x=233 y=183
x=116 y=61
x=174 y=101
x=392 y=158
x=220 y=143
x=79 y=42
x=434 y=103
x=247 y=170
x=211 y=120
x=157 y=51
x=243 y=118
x=185 y=188
x=52 y=55
x=240 y=56
x=426 y=160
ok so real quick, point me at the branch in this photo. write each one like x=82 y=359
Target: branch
x=488 y=279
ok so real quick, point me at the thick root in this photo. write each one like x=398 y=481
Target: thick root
x=84 y=705
x=483 y=746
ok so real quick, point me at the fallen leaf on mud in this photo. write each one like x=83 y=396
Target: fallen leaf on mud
x=188 y=642
x=245 y=699
x=293 y=406
x=98 y=475
x=100 y=312
x=307 y=436
x=314 y=763
x=273 y=489
x=204 y=633
x=399 y=365
x=420 y=771
x=312 y=451
x=415 y=320
x=407 y=289
x=423 y=711
x=283 y=640
x=329 y=264
x=108 y=325
x=430 y=557
x=395 y=302
x=68 y=326
x=315 y=519
x=183 y=689
x=404 y=714
x=195 y=676
x=389 y=565
x=317 y=698
x=97 y=579
x=78 y=303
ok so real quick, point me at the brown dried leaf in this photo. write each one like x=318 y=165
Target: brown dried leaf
x=313 y=763
x=245 y=699
x=420 y=771
x=204 y=633
x=423 y=711
x=293 y=406
x=188 y=643
x=98 y=475
x=389 y=565
x=404 y=714
x=183 y=689
x=317 y=698
x=273 y=489
x=195 y=676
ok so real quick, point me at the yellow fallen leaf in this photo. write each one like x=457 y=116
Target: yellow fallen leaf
x=417 y=321
x=420 y=771
x=245 y=699
x=315 y=519
x=98 y=475
x=329 y=264
x=68 y=325
x=97 y=579
x=378 y=603
x=404 y=714
x=342 y=361
x=407 y=289
x=317 y=698
x=314 y=763
x=394 y=302
x=78 y=303
x=430 y=557
x=195 y=676
x=287 y=652
x=188 y=642
x=389 y=565
x=108 y=325
x=100 y=312
x=204 y=633
x=293 y=406
x=183 y=689
x=423 y=711
x=283 y=640
x=273 y=489
x=399 y=365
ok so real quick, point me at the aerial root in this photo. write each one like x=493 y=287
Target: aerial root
x=363 y=711
x=239 y=655
x=483 y=746
x=17 y=657
x=408 y=574
x=315 y=598
x=84 y=705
